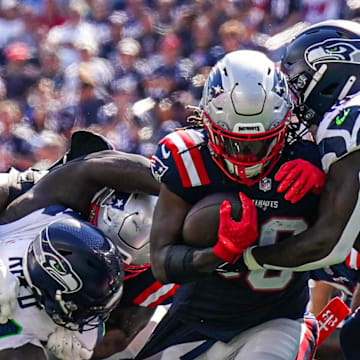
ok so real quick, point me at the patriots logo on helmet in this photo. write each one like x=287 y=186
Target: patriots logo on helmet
x=120 y=200
x=158 y=168
x=280 y=86
x=214 y=85
x=333 y=50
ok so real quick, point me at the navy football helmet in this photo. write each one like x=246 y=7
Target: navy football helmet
x=322 y=64
x=76 y=274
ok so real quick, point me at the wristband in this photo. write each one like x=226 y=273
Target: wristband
x=250 y=261
x=179 y=267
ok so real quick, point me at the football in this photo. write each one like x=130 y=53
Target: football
x=202 y=221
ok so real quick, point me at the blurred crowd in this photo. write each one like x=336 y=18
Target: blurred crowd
x=124 y=68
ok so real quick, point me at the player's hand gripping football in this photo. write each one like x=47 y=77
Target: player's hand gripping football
x=234 y=237
x=64 y=345
x=9 y=288
x=297 y=178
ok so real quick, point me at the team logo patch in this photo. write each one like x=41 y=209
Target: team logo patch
x=158 y=168
x=119 y=200
x=333 y=50
x=265 y=184
x=280 y=86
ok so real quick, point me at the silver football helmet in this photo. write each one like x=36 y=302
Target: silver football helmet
x=246 y=106
x=126 y=219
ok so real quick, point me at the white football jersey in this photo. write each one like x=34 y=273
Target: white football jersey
x=338 y=132
x=30 y=324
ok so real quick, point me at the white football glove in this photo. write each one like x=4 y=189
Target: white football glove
x=64 y=345
x=9 y=289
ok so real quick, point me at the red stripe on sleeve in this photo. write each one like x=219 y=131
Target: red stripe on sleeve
x=185 y=179
x=196 y=157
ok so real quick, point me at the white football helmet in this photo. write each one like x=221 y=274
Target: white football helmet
x=246 y=106
x=126 y=219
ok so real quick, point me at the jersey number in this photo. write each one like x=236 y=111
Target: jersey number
x=271 y=230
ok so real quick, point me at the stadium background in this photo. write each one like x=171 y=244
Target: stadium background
x=124 y=68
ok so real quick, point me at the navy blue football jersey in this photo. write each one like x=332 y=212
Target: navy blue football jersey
x=229 y=301
x=343 y=276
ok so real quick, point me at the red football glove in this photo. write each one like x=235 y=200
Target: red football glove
x=234 y=237
x=298 y=177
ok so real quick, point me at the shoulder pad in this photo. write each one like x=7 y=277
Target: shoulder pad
x=338 y=133
x=182 y=149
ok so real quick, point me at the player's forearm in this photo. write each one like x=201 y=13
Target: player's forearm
x=313 y=249
x=181 y=264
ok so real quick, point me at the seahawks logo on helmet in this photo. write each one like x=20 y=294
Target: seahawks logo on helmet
x=333 y=50
x=56 y=265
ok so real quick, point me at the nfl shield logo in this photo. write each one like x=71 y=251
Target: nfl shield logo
x=265 y=184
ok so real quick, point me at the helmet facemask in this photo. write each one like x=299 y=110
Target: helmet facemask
x=246 y=158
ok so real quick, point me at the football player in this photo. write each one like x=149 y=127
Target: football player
x=238 y=146
x=70 y=277
x=123 y=217
x=324 y=75
x=323 y=68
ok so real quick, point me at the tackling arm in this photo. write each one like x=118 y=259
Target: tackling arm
x=74 y=184
x=330 y=240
